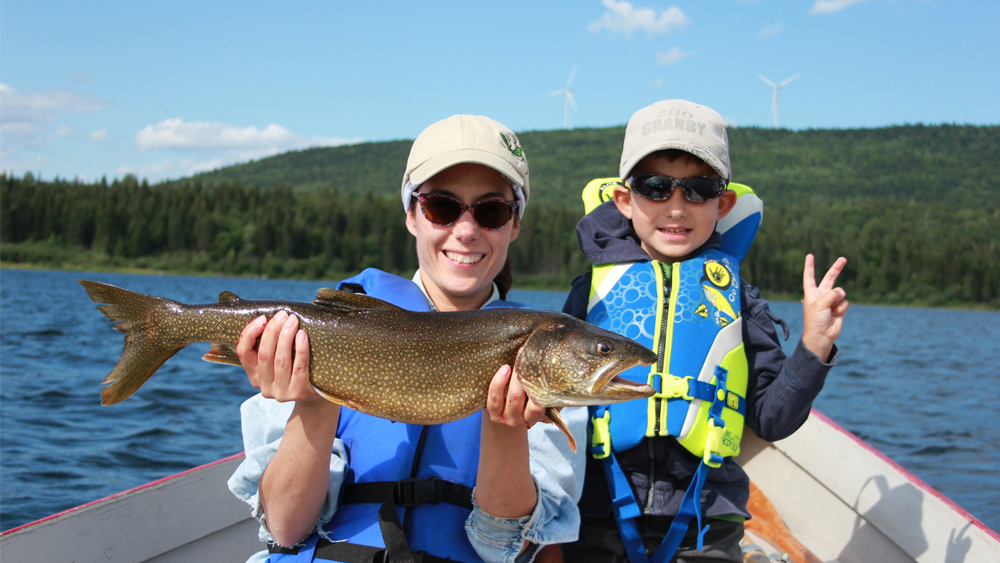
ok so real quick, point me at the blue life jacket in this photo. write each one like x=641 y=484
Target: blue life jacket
x=408 y=489
x=689 y=313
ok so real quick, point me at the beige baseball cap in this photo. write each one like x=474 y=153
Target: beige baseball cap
x=466 y=139
x=677 y=124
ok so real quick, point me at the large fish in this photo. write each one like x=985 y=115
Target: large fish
x=382 y=360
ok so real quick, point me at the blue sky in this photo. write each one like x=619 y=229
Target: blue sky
x=167 y=89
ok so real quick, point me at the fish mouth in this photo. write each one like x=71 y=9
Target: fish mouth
x=607 y=376
x=603 y=376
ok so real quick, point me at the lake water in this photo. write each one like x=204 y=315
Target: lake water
x=917 y=384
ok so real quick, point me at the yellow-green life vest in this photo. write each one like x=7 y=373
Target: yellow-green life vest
x=689 y=313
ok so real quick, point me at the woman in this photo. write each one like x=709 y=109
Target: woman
x=317 y=474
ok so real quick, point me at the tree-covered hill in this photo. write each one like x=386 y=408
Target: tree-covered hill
x=912 y=208
x=911 y=162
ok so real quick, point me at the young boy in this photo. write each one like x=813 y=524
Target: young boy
x=664 y=276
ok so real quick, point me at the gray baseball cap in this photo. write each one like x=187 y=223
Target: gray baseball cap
x=677 y=124
x=466 y=139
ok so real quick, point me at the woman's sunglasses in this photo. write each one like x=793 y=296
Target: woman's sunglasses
x=444 y=210
x=697 y=190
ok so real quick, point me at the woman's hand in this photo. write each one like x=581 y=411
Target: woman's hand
x=508 y=403
x=823 y=308
x=504 y=486
x=279 y=365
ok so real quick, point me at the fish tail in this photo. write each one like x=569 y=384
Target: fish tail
x=145 y=349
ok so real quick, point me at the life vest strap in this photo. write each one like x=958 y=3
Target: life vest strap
x=671 y=386
x=688 y=388
x=391 y=494
x=410 y=492
x=716 y=424
x=625 y=509
x=355 y=553
x=690 y=508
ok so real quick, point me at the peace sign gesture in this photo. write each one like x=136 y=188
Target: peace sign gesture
x=823 y=308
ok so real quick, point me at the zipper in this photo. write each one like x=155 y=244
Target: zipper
x=667 y=273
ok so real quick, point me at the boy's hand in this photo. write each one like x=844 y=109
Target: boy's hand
x=823 y=308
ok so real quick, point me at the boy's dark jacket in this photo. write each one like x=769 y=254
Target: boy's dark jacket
x=780 y=390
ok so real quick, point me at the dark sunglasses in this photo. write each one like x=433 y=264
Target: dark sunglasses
x=697 y=190
x=444 y=210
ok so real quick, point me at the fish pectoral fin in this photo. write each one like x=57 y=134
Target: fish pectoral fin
x=222 y=354
x=347 y=301
x=349 y=404
x=553 y=415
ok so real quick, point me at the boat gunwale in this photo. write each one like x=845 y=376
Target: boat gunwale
x=122 y=494
x=909 y=476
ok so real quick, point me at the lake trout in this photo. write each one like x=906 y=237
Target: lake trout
x=379 y=359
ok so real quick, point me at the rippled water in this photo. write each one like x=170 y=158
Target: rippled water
x=918 y=384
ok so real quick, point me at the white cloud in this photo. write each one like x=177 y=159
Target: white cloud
x=177 y=134
x=769 y=31
x=831 y=6
x=28 y=116
x=656 y=83
x=99 y=135
x=65 y=131
x=672 y=56
x=622 y=17
x=213 y=145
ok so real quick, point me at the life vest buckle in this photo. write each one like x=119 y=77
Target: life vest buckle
x=713 y=443
x=600 y=443
x=415 y=492
x=672 y=386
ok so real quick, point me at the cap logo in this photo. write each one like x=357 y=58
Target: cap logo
x=674 y=119
x=513 y=146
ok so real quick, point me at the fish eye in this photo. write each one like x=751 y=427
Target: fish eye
x=603 y=348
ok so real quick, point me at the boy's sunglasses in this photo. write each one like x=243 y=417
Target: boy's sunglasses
x=444 y=210
x=697 y=190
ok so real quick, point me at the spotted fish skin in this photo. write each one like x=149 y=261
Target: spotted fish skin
x=376 y=358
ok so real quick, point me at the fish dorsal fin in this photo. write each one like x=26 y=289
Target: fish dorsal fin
x=347 y=301
x=227 y=296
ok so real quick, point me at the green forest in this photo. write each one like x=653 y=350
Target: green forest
x=911 y=207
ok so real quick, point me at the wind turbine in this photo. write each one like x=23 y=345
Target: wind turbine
x=777 y=87
x=568 y=91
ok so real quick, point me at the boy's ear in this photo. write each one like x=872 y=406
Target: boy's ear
x=726 y=203
x=623 y=201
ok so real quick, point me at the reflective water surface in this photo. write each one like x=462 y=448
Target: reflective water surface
x=918 y=384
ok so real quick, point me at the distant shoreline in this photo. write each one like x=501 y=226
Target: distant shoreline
x=770 y=296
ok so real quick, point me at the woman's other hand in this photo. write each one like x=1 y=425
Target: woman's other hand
x=279 y=365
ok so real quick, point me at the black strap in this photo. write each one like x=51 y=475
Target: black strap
x=409 y=492
x=392 y=494
x=397 y=549
x=343 y=551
